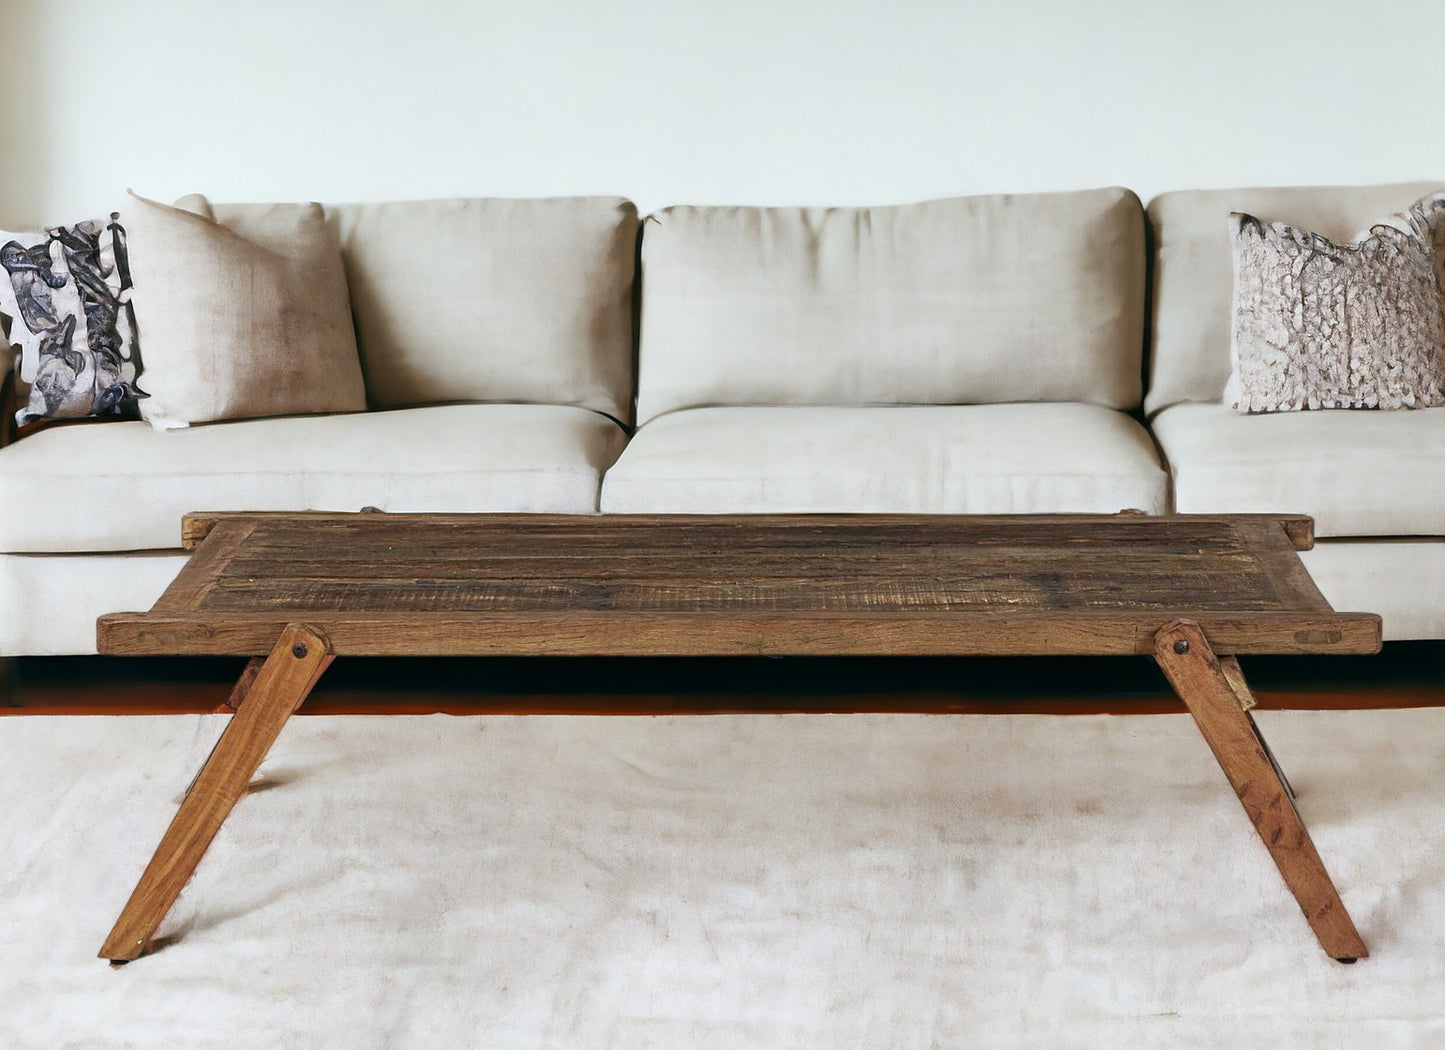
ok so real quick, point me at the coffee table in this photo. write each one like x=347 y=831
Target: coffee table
x=293 y=591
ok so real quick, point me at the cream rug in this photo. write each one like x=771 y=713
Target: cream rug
x=723 y=882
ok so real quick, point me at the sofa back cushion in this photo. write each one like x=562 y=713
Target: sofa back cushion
x=963 y=301
x=1193 y=282
x=506 y=300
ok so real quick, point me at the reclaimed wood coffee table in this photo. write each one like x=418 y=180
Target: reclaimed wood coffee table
x=293 y=591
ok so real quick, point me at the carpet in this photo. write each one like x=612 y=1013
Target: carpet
x=761 y=881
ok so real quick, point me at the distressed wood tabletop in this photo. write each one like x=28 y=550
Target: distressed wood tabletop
x=460 y=584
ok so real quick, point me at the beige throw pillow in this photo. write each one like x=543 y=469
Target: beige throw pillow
x=238 y=327
x=1324 y=325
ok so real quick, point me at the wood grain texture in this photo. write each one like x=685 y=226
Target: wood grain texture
x=243 y=685
x=196 y=526
x=717 y=585
x=1212 y=697
x=205 y=569
x=703 y=634
x=1234 y=675
x=296 y=661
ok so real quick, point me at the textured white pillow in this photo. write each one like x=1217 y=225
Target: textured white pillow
x=1323 y=325
x=236 y=327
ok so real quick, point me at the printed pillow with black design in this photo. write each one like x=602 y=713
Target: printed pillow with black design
x=65 y=298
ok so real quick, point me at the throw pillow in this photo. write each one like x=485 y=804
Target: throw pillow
x=1325 y=325
x=65 y=300
x=241 y=323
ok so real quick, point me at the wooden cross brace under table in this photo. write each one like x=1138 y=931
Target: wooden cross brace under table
x=302 y=588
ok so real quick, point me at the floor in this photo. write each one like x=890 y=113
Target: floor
x=728 y=883
x=725 y=882
x=1406 y=674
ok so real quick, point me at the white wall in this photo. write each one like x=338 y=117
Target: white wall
x=756 y=101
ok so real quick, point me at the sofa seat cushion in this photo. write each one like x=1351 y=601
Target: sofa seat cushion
x=933 y=459
x=124 y=486
x=1357 y=473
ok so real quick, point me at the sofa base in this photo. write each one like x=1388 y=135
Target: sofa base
x=1401 y=579
x=49 y=602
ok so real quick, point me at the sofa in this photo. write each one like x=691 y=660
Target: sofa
x=1060 y=352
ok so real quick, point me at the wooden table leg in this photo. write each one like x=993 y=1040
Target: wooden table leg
x=274 y=693
x=1215 y=692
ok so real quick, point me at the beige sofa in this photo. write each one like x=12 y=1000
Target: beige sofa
x=973 y=355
